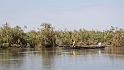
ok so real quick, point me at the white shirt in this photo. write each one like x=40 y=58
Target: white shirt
x=99 y=44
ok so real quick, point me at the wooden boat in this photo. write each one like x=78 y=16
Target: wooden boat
x=95 y=47
x=82 y=47
x=71 y=47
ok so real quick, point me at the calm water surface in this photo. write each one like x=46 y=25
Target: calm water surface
x=62 y=59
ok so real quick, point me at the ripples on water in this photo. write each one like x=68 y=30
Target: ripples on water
x=60 y=59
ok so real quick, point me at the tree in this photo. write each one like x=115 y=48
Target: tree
x=47 y=35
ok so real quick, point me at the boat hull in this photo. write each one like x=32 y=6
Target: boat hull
x=96 y=47
x=82 y=47
x=72 y=47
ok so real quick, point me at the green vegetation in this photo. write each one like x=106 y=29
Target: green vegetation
x=47 y=36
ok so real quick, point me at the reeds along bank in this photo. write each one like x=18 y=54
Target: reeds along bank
x=47 y=36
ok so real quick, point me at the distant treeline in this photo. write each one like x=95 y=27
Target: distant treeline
x=47 y=36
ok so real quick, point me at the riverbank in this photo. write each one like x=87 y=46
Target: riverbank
x=47 y=36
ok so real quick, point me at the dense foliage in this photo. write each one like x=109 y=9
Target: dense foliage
x=48 y=37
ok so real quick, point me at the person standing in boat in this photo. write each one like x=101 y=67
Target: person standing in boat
x=73 y=43
x=100 y=44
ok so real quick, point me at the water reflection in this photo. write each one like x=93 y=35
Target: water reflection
x=115 y=50
x=48 y=57
x=59 y=59
x=115 y=53
x=10 y=58
x=73 y=52
x=82 y=51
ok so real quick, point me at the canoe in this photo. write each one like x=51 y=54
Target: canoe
x=96 y=47
x=82 y=47
x=71 y=47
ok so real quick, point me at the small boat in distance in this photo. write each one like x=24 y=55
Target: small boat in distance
x=72 y=47
x=95 y=47
x=82 y=47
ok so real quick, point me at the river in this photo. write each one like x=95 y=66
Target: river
x=62 y=59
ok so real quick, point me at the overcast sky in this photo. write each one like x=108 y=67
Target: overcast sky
x=63 y=14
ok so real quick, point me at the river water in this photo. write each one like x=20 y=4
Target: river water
x=62 y=59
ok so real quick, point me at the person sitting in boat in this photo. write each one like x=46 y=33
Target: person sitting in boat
x=73 y=43
x=100 y=44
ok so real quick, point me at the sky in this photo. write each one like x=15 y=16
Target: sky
x=63 y=14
